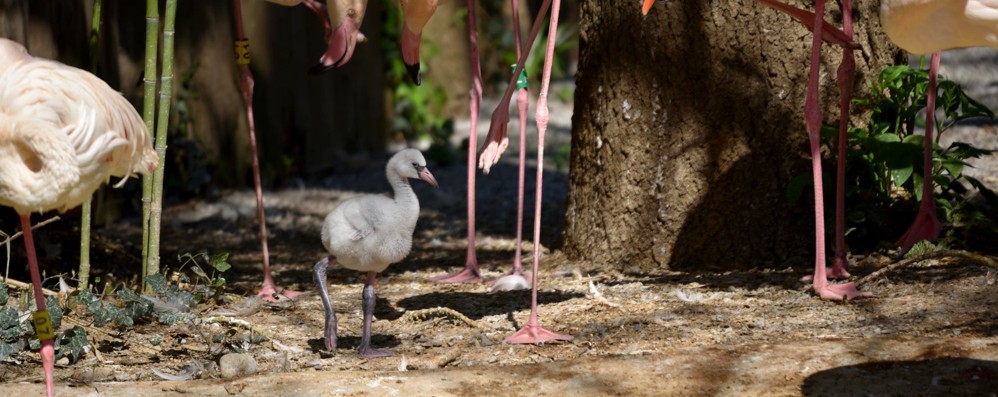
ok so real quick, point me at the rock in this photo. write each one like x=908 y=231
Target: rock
x=237 y=364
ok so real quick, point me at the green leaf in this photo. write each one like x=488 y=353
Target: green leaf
x=10 y=325
x=220 y=262
x=8 y=349
x=72 y=342
x=3 y=294
x=157 y=282
x=901 y=175
x=953 y=166
x=136 y=307
x=917 y=182
x=55 y=311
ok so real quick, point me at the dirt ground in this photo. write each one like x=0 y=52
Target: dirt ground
x=930 y=330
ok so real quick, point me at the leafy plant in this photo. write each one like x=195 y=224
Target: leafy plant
x=884 y=160
x=204 y=286
x=16 y=330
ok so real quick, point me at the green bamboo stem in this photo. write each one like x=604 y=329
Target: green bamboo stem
x=84 y=271
x=162 y=123
x=149 y=116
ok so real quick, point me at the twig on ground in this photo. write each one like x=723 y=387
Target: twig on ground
x=598 y=296
x=961 y=254
x=423 y=314
x=26 y=286
x=237 y=322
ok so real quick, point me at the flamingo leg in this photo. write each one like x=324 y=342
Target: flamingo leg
x=812 y=119
x=926 y=225
x=471 y=273
x=517 y=272
x=42 y=320
x=329 y=330
x=365 y=348
x=532 y=331
x=268 y=291
x=845 y=76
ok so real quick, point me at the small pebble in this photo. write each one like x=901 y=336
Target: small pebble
x=511 y=282
x=237 y=364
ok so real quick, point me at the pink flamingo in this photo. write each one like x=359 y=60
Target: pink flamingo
x=496 y=143
x=822 y=31
x=928 y=27
x=63 y=132
x=347 y=15
x=471 y=272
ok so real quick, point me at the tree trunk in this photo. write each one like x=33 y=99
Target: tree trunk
x=689 y=126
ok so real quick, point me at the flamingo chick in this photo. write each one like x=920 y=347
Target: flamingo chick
x=415 y=14
x=63 y=132
x=367 y=233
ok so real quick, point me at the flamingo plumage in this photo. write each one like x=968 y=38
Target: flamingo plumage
x=63 y=132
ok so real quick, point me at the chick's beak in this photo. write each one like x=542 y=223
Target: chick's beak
x=427 y=177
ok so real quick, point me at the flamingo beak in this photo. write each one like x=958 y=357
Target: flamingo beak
x=647 y=6
x=427 y=177
x=410 y=52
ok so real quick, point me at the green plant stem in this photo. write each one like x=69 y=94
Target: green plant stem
x=84 y=271
x=149 y=116
x=162 y=124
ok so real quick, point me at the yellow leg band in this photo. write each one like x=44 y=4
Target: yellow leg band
x=43 y=325
x=242 y=52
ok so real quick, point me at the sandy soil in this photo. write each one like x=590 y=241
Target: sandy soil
x=930 y=330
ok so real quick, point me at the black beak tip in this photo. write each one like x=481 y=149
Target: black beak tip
x=413 y=72
x=319 y=68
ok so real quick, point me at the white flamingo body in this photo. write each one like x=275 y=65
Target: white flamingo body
x=926 y=26
x=357 y=231
x=63 y=132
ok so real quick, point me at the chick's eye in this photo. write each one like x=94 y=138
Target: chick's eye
x=417 y=166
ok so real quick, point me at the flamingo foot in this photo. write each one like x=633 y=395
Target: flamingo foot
x=339 y=46
x=270 y=293
x=925 y=227
x=535 y=334
x=468 y=275
x=840 y=292
x=369 y=352
x=836 y=272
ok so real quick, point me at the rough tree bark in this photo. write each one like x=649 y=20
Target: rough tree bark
x=688 y=127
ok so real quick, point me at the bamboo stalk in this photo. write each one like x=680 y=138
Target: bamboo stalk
x=149 y=116
x=162 y=125
x=84 y=271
